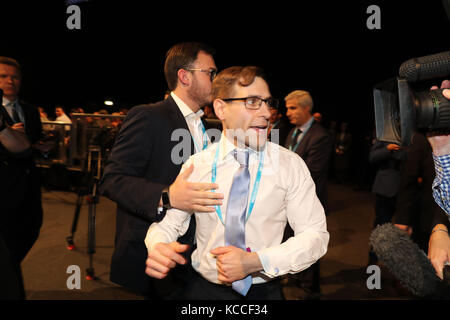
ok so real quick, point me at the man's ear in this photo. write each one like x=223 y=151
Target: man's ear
x=219 y=106
x=183 y=78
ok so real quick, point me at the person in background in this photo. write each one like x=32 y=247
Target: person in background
x=388 y=158
x=277 y=122
x=312 y=143
x=20 y=190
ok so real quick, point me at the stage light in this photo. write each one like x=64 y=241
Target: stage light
x=109 y=103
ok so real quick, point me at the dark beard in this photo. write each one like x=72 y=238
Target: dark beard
x=196 y=95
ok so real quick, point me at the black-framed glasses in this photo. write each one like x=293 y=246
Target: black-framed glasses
x=212 y=72
x=254 y=103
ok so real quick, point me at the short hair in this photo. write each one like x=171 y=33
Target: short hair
x=182 y=55
x=302 y=97
x=223 y=84
x=11 y=62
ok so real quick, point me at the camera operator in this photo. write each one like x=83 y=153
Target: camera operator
x=439 y=244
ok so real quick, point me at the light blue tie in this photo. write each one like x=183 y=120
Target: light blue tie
x=15 y=114
x=236 y=212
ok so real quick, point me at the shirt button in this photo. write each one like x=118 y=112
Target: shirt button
x=276 y=271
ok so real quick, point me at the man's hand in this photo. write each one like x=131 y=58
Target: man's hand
x=19 y=127
x=235 y=264
x=164 y=257
x=393 y=147
x=441 y=143
x=439 y=249
x=189 y=196
x=407 y=229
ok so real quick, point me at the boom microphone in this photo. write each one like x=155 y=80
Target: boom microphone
x=428 y=67
x=407 y=262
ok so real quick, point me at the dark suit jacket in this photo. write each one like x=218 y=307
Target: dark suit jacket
x=388 y=177
x=315 y=150
x=20 y=193
x=139 y=168
x=283 y=132
x=415 y=203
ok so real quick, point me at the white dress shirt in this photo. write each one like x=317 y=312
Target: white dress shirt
x=65 y=119
x=286 y=194
x=193 y=121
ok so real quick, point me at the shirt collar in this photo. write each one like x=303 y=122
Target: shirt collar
x=307 y=124
x=6 y=101
x=184 y=108
x=226 y=147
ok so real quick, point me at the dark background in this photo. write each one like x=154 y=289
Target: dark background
x=322 y=47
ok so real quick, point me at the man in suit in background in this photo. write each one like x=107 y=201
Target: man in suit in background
x=312 y=143
x=388 y=157
x=277 y=122
x=20 y=190
x=146 y=159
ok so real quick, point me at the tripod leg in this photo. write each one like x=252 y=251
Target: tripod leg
x=69 y=239
x=91 y=233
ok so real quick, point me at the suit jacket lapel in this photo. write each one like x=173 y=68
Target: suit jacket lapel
x=305 y=140
x=178 y=120
x=6 y=116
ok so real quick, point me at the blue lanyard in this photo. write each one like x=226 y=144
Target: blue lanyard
x=205 y=138
x=255 y=185
x=301 y=136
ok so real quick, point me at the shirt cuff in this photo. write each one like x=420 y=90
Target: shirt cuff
x=269 y=270
x=154 y=236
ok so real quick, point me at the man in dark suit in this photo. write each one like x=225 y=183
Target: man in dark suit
x=309 y=140
x=277 y=123
x=312 y=143
x=20 y=193
x=388 y=157
x=12 y=142
x=141 y=174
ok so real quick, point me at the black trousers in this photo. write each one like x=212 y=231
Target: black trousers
x=201 y=289
x=384 y=211
x=11 y=282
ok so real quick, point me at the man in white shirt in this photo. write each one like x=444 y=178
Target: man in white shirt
x=61 y=116
x=280 y=191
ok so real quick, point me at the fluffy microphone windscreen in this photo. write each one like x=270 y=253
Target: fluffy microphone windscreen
x=407 y=262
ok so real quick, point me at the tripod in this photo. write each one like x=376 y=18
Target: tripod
x=91 y=177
